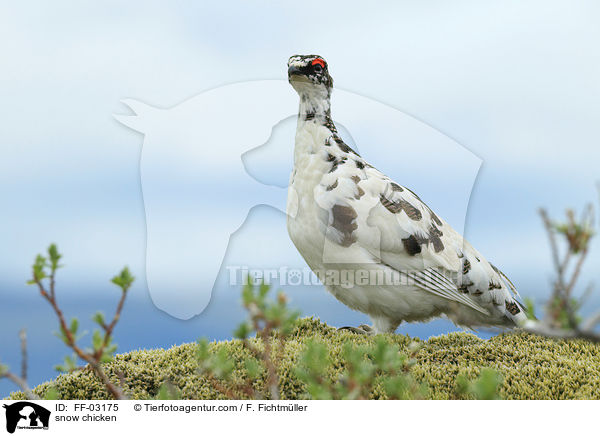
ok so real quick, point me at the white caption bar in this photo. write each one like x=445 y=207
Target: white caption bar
x=304 y=418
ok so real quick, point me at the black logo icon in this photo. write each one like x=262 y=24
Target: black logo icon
x=24 y=414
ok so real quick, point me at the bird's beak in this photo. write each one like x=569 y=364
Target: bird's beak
x=294 y=71
x=297 y=75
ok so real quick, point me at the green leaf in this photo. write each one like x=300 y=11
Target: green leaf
x=98 y=318
x=248 y=292
x=62 y=336
x=74 y=326
x=124 y=279
x=242 y=331
x=263 y=290
x=108 y=353
x=97 y=340
x=69 y=364
x=39 y=268
x=253 y=368
x=54 y=257
x=530 y=308
x=202 y=353
x=222 y=364
x=486 y=386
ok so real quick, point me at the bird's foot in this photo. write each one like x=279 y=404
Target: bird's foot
x=362 y=329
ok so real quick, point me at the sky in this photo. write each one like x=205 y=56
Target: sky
x=514 y=83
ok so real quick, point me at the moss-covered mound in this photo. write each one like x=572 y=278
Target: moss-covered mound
x=531 y=367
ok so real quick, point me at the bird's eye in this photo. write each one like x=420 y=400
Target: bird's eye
x=318 y=64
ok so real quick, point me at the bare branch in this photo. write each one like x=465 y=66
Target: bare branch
x=23 y=338
x=590 y=323
x=542 y=329
x=21 y=383
x=553 y=246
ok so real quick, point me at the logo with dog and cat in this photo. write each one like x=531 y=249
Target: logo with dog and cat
x=24 y=415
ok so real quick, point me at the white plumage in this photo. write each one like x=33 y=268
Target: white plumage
x=347 y=218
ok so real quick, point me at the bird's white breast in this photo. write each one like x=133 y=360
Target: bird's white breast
x=304 y=226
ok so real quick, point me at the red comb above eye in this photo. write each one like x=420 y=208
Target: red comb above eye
x=319 y=61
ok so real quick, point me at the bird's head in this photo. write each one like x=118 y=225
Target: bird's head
x=309 y=76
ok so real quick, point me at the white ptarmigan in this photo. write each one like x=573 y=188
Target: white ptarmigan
x=346 y=216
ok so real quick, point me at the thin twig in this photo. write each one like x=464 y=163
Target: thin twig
x=590 y=323
x=23 y=338
x=542 y=329
x=22 y=384
x=553 y=246
x=576 y=272
x=21 y=381
x=109 y=329
x=272 y=377
x=94 y=363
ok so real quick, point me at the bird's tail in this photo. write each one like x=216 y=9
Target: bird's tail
x=514 y=309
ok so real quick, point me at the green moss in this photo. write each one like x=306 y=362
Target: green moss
x=531 y=367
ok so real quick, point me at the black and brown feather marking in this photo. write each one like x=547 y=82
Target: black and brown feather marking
x=464 y=287
x=434 y=230
x=433 y=236
x=329 y=123
x=411 y=245
x=504 y=278
x=392 y=206
x=356 y=179
x=360 y=193
x=434 y=217
x=396 y=187
x=402 y=205
x=344 y=221
x=332 y=186
x=336 y=163
x=360 y=165
x=412 y=212
x=436 y=241
x=512 y=307
x=334 y=166
x=343 y=146
x=493 y=286
x=466 y=266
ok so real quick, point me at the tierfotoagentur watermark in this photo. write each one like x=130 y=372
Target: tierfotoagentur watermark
x=344 y=277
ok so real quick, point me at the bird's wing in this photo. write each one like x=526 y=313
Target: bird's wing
x=393 y=225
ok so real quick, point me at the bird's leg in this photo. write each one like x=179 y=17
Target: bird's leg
x=362 y=329
x=381 y=324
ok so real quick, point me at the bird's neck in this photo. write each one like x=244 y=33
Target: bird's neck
x=315 y=125
x=314 y=111
x=314 y=108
